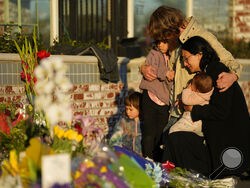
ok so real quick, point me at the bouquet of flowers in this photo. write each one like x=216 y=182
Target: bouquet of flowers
x=30 y=57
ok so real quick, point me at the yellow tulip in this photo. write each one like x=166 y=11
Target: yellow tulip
x=56 y=129
x=79 y=137
x=60 y=133
x=103 y=169
x=66 y=133
x=30 y=107
x=77 y=174
x=89 y=164
x=72 y=135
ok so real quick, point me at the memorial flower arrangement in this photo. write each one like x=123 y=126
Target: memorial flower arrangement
x=46 y=127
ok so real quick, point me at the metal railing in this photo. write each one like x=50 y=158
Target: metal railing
x=98 y=20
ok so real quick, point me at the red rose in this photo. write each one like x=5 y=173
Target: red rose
x=78 y=128
x=42 y=54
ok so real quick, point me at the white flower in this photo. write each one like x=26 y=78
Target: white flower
x=44 y=86
x=40 y=73
x=61 y=98
x=63 y=82
x=43 y=101
x=58 y=112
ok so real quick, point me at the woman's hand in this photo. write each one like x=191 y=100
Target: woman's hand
x=187 y=108
x=170 y=75
x=147 y=72
x=225 y=80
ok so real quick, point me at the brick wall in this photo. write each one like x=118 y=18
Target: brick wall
x=98 y=99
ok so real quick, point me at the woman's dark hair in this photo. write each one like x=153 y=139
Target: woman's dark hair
x=197 y=45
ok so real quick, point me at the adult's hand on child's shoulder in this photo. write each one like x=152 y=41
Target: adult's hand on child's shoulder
x=225 y=80
x=170 y=75
x=147 y=72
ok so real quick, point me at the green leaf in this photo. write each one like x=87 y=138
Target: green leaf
x=135 y=175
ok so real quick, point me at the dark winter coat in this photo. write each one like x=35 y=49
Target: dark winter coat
x=225 y=123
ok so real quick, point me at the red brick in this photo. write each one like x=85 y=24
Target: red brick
x=114 y=86
x=83 y=87
x=8 y=90
x=78 y=113
x=110 y=95
x=2 y=99
x=78 y=96
x=74 y=88
x=82 y=105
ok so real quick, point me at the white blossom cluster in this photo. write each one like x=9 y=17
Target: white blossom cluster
x=50 y=87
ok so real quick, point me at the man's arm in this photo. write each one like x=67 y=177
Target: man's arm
x=225 y=80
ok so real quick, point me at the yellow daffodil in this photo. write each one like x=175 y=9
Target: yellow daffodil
x=103 y=169
x=79 y=138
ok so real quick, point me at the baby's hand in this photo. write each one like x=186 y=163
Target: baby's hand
x=170 y=75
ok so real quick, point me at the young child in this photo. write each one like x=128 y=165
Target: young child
x=127 y=131
x=155 y=100
x=198 y=92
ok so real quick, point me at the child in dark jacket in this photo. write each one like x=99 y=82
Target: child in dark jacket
x=127 y=131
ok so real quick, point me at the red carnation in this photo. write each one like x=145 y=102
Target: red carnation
x=43 y=54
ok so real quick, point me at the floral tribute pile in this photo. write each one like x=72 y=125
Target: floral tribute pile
x=44 y=130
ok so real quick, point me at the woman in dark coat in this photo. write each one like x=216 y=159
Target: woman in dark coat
x=225 y=121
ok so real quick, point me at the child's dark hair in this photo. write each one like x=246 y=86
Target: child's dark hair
x=133 y=99
x=203 y=82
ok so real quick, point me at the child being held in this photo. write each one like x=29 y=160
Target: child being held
x=155 y=99
x=127 y=131
x=198 y=92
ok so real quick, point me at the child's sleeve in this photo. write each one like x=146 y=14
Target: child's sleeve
x=116 y=138
x=155 y=59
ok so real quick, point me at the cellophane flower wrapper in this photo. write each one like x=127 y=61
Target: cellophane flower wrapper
x=183 y=178
x=102 y=170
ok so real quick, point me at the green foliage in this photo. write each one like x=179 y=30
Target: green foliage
x=7 y=39
x=66 y=46
x=239 y=49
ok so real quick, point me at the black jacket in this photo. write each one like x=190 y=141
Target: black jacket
x=107 y=63
x=225 y=123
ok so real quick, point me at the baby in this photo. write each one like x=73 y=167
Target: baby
x=198 y=92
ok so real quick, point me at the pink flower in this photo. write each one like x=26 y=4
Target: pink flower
x=22 y=76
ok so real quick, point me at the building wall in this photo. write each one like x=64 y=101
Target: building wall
x=240 y=19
